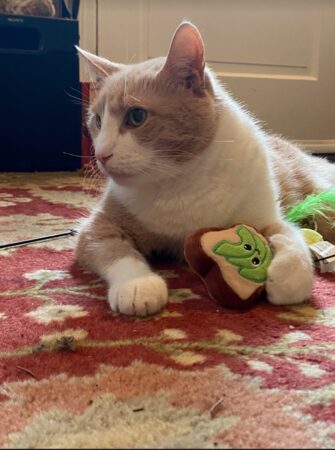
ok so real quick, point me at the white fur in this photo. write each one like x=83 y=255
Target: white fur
x=290 y=276
x=134 y=289
x=229 y=182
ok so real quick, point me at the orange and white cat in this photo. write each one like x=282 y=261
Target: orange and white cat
x=181 y=154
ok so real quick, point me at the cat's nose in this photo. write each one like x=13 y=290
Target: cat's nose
x=104 y=158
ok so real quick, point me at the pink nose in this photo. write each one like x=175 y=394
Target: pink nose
x=103 y=159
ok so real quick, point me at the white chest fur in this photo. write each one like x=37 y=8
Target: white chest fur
x=230 y=183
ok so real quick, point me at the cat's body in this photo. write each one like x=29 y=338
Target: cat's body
x=197 y=160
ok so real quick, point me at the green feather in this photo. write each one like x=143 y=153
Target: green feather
x=313 y=205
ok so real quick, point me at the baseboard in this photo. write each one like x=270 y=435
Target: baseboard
x=318 y=146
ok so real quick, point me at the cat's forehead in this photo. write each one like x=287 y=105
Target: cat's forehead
x=132 y=84
x=150 y=66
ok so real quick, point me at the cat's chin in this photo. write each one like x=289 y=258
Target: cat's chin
x=123 y=179
x=130 y=179
x=117 y=177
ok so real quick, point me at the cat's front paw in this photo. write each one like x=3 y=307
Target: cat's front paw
x=289 y=278
x=142 y=296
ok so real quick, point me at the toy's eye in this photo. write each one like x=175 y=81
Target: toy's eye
x=256 y=261
x=135 y=117
x=98 y=121
x=247 y=247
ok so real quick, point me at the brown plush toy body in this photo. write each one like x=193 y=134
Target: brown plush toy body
x=232 y=263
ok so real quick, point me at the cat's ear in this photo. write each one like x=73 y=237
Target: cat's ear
x=185 y=62
x=99 y=68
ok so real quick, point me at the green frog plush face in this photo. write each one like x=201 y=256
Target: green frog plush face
x=251 y=255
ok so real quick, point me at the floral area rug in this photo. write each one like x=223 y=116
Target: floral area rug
x=75 y=375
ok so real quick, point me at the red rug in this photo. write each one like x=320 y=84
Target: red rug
x=75 y=375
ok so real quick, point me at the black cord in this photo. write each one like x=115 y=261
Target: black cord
x=325 y=257
x=40 y=239
x=73 y=233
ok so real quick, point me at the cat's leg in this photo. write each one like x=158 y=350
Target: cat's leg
x=290 y=274
x=134 y=289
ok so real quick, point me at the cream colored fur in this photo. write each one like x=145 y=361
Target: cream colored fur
x=199 y=161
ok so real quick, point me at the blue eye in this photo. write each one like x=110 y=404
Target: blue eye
x=135 y=117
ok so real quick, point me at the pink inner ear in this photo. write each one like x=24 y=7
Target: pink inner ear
x=187 y=48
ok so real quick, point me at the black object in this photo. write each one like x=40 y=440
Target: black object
x=40 y=239
x=39 y=76
x=70 y=8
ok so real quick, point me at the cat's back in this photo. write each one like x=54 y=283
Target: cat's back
x=298 y=173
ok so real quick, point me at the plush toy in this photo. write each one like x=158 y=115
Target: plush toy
x=233 y=262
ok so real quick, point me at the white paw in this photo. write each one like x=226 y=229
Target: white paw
x=142 y=296
x=290 y=276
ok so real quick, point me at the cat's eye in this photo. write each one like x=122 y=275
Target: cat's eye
x=135 y=117
x=98 y=121
x=247 y=247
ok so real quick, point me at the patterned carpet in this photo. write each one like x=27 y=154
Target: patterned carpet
x=75 y=375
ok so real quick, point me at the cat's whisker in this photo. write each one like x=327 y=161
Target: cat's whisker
x=75 y=102
x=80 y=100
x=92 y=177
x=81 y=93
x=77 y=156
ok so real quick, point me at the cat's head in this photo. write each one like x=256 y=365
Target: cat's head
x=149 y=119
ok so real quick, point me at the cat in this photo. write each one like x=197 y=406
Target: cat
x=181 y=154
